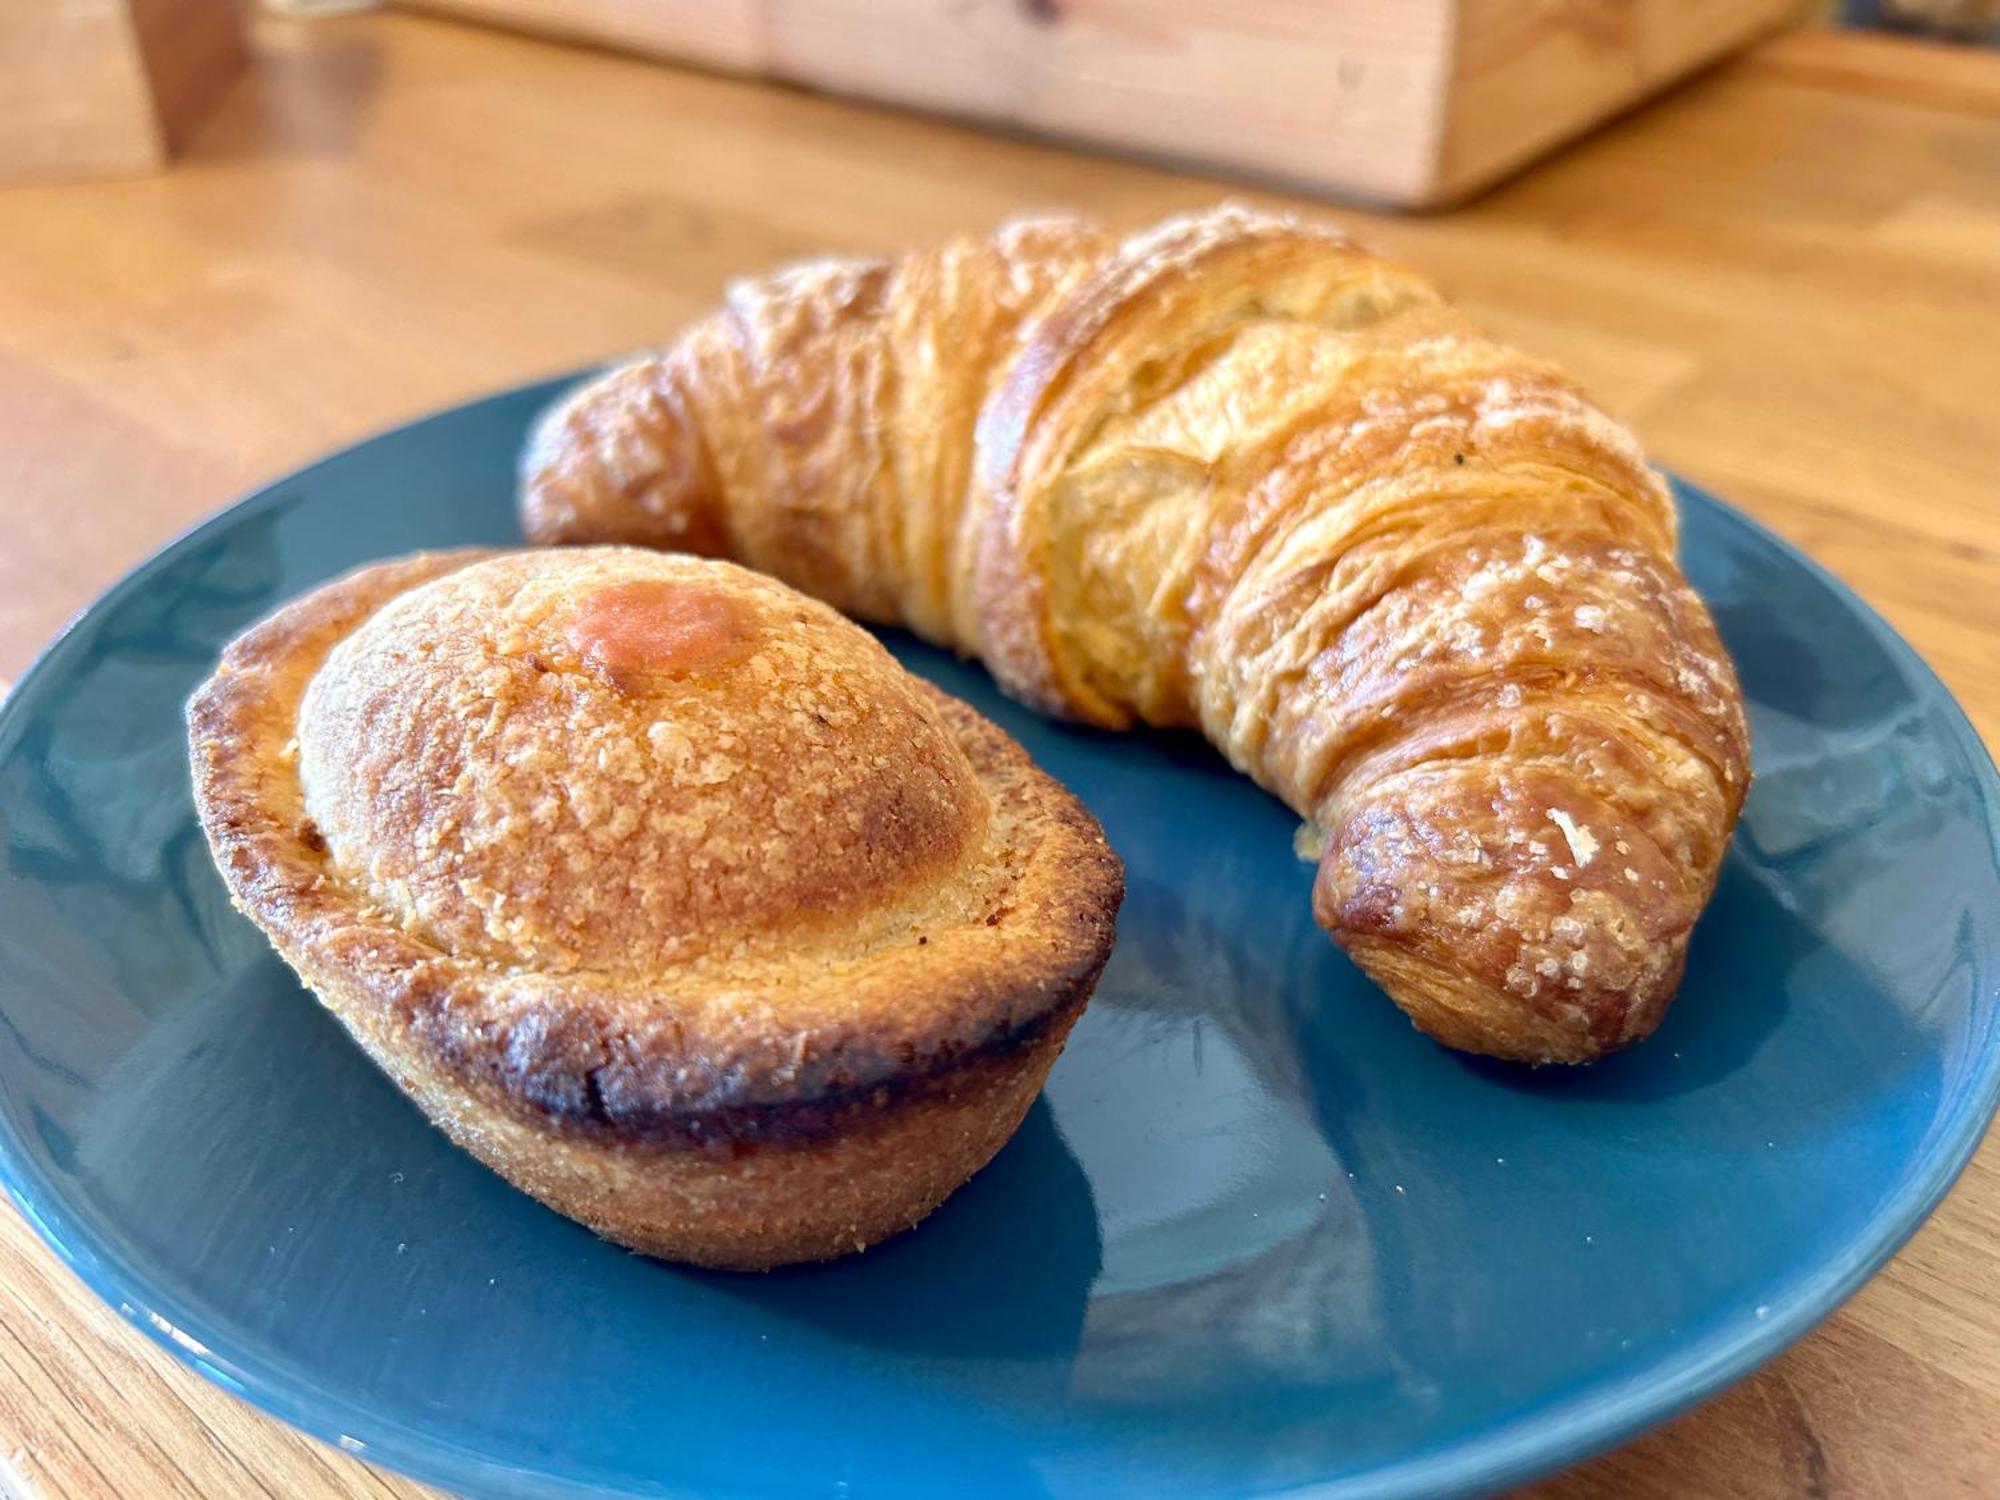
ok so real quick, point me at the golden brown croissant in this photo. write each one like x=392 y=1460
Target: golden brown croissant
x=1235 y=472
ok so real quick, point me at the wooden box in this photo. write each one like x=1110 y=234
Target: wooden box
x=94 y=86
x=1409 y=102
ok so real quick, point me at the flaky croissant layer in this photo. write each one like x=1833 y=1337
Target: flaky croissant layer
x=1237 y=473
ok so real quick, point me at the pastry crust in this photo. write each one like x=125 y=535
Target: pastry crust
x=1236 y=473
x=694 y=916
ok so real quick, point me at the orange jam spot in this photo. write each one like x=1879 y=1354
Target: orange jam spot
x=638 y=632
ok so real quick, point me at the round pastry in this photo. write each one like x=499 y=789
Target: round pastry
x=660 y=887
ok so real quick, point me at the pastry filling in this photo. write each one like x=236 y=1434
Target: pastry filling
x=635 y=633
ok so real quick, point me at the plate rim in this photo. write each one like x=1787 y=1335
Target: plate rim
x=1534 y=1442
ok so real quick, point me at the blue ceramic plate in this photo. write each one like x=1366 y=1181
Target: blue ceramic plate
x=1259 y=1237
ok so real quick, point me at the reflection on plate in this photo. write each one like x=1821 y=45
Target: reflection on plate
x=1259 y=1235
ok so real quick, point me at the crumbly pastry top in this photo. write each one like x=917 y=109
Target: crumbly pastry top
x=641 y=841
x=604 y=761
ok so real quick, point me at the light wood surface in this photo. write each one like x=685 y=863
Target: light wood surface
x=1387 y=101
x=97 y=86
x=1787 y=275
x=73 y=93
x=1525 y=78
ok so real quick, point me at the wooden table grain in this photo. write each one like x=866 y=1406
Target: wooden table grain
x=1786 y=275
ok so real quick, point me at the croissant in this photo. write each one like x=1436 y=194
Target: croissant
x=1235 y=472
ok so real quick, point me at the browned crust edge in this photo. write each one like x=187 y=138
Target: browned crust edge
x=754 y=1206
x=559 y=1057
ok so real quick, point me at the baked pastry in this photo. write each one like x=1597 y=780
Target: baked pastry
x=660 y=887
x=1237 y=473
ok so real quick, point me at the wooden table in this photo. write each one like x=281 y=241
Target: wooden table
x=1787 y=275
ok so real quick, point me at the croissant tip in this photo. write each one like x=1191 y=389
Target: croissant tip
x=1464 y=1012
